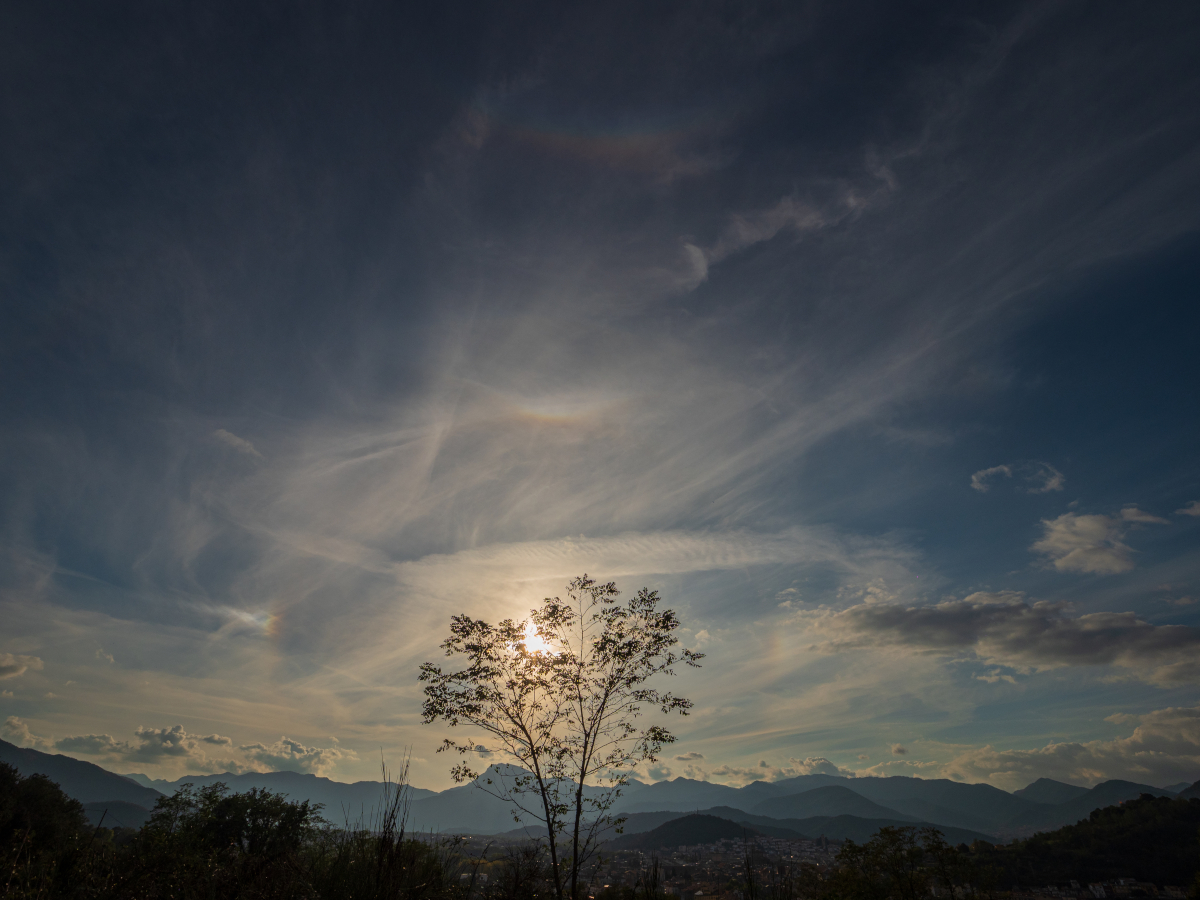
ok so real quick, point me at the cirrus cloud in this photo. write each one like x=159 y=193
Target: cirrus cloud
x=241 y=445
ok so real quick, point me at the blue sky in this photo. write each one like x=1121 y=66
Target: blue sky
x=865 y=334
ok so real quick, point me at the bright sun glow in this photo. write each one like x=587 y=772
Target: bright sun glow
x=535 y=643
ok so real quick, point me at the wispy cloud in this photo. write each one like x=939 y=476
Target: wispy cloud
x=1092 y=544
x=1039 y=477
x=241 y=445
x=13 y=665
x=746 y=229
x=647 y=326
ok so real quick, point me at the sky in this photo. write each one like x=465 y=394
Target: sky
x=866 y=333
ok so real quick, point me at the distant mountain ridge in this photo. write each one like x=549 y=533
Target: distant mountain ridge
x=839 y=827
x=1047 y=790
x=802 y=804
x=344 y=803
x=831 y=800
x=1108 y=793
x=84 y=781
x=980 y=808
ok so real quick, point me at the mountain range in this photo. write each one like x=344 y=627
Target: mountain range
x=834 y=805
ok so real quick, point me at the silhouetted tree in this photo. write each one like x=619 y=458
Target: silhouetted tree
x=559 y=695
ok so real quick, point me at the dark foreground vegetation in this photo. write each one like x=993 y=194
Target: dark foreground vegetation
x=207 y=843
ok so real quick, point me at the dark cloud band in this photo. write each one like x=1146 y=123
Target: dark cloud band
x=1007 y=629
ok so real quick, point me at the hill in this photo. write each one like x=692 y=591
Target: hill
x=1108 y=793
x=943 y=817
x=685 y=794
x=1047 y=790
x=831 y=800
x=1148 y=839
x=1190 y=792
x=855 y=828
x=978 y=807
x=82 y=781
x=686 y=830
x=833 y=827
x=985 y=803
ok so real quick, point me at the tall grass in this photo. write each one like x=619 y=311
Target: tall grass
x=380 y=859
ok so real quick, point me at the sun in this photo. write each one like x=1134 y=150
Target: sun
x=534 y=642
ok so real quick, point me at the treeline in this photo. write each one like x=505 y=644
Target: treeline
x=208 y=843
x=1151 y=839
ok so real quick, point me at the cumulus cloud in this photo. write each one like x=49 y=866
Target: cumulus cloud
x=817 y=765
x=104 y=657
x=173 y=741
x=1038 y=477
x=1192 y=509
x=898 y=750
x=18 y=733
x=173 y=747
x=293 y=756
x=12 y=665
x=1092 y=544
x=689 y=757
x=1004 y=628
x=241 y=445
x=765 y=771
x=1165 y=747
x=901 y=765
x=95 y=745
